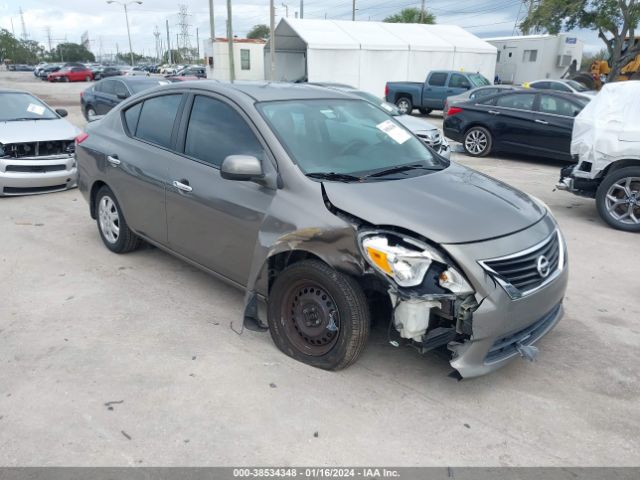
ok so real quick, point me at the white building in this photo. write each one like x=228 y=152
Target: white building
x=248 y=58
x=532 y=57
x=366 y=55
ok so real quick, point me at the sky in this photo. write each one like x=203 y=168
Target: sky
x=107 y=28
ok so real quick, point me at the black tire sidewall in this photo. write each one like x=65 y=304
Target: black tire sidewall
x=349 y=300
x=487 y=150
x=120 y=245
x=601 y=194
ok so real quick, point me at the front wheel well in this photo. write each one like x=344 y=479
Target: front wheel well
x=618 y=165
x=92 y=196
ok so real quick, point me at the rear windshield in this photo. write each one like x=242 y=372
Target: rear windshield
x=478 y=80
x=22 y=106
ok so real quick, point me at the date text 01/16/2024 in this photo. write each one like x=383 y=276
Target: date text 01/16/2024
x=314 y=472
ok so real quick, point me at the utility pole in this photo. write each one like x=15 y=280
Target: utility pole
x=47 y=30
x=169 y=44
x=156 y=34
x=272 y=40
x=301 y=8
x=212 y=23
x=422 y=12
x=25 y=35
x=286 y=9
x=183 y=24
x=232 y=69
x=126 y=16
x=353 y=12
x=13 y=30
x=198 y=42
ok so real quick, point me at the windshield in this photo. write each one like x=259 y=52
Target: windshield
x=478 y=80
x=577 y=86
x=346 y=137
x=22 y=106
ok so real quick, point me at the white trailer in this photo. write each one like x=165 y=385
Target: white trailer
x=533 y=57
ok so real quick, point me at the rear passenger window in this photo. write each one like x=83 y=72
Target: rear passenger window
x=558 y=106
x=520 y=102
x=121 y=89
x=483 y=92
x=108 y=87
x=156 y=119
x=131 y=116
x=438 y=79
x=216 y=131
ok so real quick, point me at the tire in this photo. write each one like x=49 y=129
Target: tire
x=96 y=78
x=64 y=79
x=90 y=112
x=618 y=199
x=425 y=111
x=107 y=207
x=477 y=142
x=87 y=78
x=405 y=105
x=318 y=316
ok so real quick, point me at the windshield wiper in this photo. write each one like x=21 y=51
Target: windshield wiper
x=25 y=119
x=338 y=177
x=400 y=169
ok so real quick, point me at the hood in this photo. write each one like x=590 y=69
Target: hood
x=455 y=205
x=415 y=124
x=37 y=131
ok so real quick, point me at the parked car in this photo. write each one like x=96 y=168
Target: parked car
x=101 y=97
x=36 y=146
x=22 y=68
x=44 y=72
x=568 y=86
x=526 y=121
x=39 y=67
x=431 y=94
x=104 y=72
x=426 y=132
x=474 y=94
x=606 y=145
x=135 y=71
x=199 y=72
x=176 y=78
x=318 y=204
x=71 y=74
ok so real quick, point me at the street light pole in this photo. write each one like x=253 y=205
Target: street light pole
x=126 y=16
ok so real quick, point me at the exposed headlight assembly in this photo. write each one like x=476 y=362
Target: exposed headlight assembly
x=407 y=261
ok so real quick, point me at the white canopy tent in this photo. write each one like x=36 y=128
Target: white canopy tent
x=366 y=55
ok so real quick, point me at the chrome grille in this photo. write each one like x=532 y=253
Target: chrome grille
x=433 y=139
x=524 y=272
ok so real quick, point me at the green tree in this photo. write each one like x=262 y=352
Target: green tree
x=18 y=51
x=411 y=15
x=614 y=20
x=73 y=52
x=259 y=31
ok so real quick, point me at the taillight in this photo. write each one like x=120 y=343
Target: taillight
x=454 y=111
x=386 y=90
x=81 y=138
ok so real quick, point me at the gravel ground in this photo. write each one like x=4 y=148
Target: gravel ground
x=129 y=360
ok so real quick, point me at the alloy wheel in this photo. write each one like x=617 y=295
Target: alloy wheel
x=476 y=142
x=623 y=201
x=311 y=318
x=109 y=219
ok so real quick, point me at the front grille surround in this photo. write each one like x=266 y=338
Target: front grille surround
x=518 y=273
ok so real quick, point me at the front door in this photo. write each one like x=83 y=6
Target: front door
x=434 y=91
x=514 y=118
x=211 y=220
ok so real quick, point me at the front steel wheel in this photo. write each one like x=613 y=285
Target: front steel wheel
x=318 y=316
x=478 y=142
x=113 y=228
x=618 y=199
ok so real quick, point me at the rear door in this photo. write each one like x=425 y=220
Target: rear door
x=513 y=120
x=214 y=221
x=434 y=91
x=554 y=123
x=138 y=168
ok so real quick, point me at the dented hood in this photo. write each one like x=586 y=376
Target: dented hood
x=455 y=205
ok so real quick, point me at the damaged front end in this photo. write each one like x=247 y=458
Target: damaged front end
x=432 y=302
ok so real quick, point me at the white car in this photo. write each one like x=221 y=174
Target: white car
x=570 y=86
x=36 y=146
x=606 y=144
x=135 y=71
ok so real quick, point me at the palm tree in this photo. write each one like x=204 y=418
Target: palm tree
x=411 y=15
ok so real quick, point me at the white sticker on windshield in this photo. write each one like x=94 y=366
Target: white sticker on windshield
x=37 y=109
x=398 y=134
x=387 y=107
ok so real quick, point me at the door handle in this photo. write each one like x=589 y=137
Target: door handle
x=182 y=186
x=113 y=160
x=494 y=112
x=542 y=122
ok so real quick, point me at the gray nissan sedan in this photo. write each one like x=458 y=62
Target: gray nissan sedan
x=328 y=213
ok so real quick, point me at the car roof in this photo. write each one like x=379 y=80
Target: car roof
x=263 y=91
x=13 y=90
x=522 y=91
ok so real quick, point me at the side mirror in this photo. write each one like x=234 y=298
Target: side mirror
x=122 y=96
x=241 y=167
x=62 y=112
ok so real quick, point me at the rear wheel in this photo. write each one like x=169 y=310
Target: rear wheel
x=113 y=228
x=405 y=105
x=90 y=112
x=318 y=316
x=618 y=199
x=478 y=142
x=65 y=79
x=425 y=111
x=87 y=78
